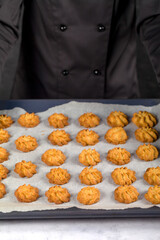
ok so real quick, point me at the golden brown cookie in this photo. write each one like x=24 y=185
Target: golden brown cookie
x=89 y=157
x=123 y=176
x=58 y=195
x=3 y=155
x=90 y=176
x=27 y=193
x=4 y=136
x=126 y=194
x=88 y=195
x=59 y=137
x=89 y=120
x=144 y=119
x=53 y=157
x=26 y=143
x=146 y=134
x=58 y=176
x=3 y=172
x=87 y=137
x=25 y=169
x=2 y=190
x=58 y=120
x=152 y=176
x=116 y=135
x=28 y=120
x=117 y=119
x=5 y=121
x=118 y=156
x=147 y=152
x=153 y=195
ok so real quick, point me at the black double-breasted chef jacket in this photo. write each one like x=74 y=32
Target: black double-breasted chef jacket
x=78 y=48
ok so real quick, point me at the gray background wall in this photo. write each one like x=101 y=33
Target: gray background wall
x=147 y=80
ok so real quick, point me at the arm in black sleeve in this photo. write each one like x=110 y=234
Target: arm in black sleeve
x=148 y=28
x=10 y=14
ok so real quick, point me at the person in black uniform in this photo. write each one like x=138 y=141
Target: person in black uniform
x=78 y=48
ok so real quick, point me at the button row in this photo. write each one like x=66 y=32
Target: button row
x=95 y=72
x=100 y=27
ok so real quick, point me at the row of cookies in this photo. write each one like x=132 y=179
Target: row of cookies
x=128 y=194
x=125 y=176
x=87 y=195
x=88 y=176
x=88 y=120
x=90 y=157
x=28 y=194
x=56 y=194
x=85 y=137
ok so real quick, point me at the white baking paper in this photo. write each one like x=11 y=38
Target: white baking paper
x=73 y=110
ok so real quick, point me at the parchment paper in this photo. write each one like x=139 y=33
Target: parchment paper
x=73 y=110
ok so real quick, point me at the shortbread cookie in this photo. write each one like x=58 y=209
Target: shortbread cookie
x=58 y=176
x=117 y=119
x=89 y=157
x=118 y=156
x=58 y=195
x=53 y=157
x=126 y=194
x=25 y=169
x=153 y=195
x=144 y=119
x=90 y=176
x=59 y=137
x=146 y=134
x=116 y=135
x=4 y=136
x=3 y=172
x=3 y=155
x=27 y=193
x=123 y=176
x=89 y=120
x=147 y=152
x=5 y=121
x=88 y=195
x=28 y=120
x=2 y=190
x=26 y=143
x=87 y=137
x=152 y=176
x=58 y=120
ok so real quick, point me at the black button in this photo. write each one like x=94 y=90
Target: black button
x=97 y=72
x=101 y=28
x=63 y=27
x=65 y=72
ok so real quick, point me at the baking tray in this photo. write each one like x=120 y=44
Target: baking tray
x=42 y=105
